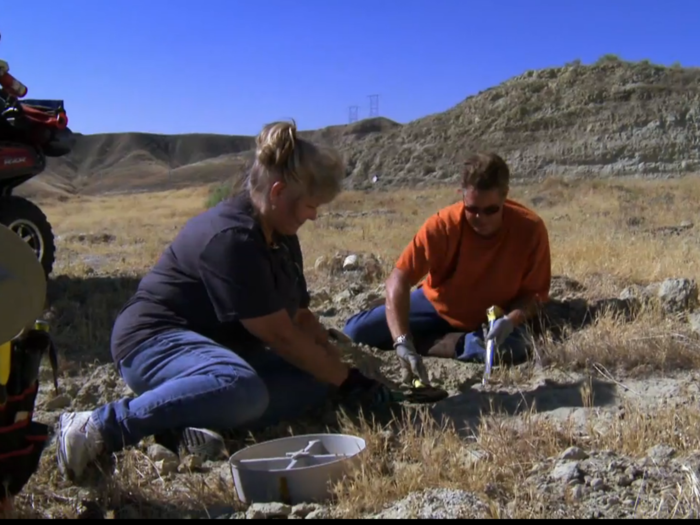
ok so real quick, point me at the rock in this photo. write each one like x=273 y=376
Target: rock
x=303 y=509
x=624 y=480
x=58 y=403
x=268 y=510
x=160 y=453
x=578 y=492
x=597 y=484
x=190 y=464
x=350 y=262
x=437 y=504
x=573 y=454
x=343 y=297
x=167 y=466
x=694 y=321
x=319 y=514
x=678 y=295
x=661 y=453
x=566 y=471
x=634 y=292
x=472 y=457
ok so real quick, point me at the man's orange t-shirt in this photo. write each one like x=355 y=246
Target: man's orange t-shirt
x=466 y=273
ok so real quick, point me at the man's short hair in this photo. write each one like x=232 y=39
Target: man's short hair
x=486 y=171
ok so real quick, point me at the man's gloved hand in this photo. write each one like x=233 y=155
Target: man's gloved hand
x=359 y=391
x=500 y=330
x=412 y=366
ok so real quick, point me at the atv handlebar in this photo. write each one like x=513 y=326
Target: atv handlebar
x=12 y=86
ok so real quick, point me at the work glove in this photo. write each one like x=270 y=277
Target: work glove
x=412 y=366
x=501 y=329
x=359 y=391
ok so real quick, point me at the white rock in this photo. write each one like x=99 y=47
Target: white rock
x=268 y=510
x=160 y=453
x=350 y=262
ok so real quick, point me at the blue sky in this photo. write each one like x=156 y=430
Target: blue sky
x=229 y=66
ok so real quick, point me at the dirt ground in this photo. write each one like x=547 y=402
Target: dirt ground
x=602 y=423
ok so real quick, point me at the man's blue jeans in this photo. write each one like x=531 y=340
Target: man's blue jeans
x=184 y=380
x=370 y=327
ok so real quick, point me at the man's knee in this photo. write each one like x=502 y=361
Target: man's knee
x=244 y=398
x=369 y=327
x=355 y=327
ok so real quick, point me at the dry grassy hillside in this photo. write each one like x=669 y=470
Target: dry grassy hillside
x=602 y=425
x=127 y=162
x=606 y=119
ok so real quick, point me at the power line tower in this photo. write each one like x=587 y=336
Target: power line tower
x=373 y=106
x=352 y=114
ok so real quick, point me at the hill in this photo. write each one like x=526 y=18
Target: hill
x=606 y=119
x=610 y=118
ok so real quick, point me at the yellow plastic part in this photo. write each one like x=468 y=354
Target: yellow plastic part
x=494 y=313
x=417 y=383
x=5 y=362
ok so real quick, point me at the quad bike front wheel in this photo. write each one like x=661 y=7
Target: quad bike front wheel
x=28 y=221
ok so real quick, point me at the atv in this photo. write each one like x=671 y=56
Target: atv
x=30 y=131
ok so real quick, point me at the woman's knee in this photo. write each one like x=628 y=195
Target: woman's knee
x=244 y=399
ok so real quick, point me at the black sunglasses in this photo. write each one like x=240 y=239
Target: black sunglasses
x=488 y=210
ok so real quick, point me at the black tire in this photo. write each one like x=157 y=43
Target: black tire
x=29 y=222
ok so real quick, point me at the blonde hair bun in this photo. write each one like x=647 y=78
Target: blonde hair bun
x=275 y=144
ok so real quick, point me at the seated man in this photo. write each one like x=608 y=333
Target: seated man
x=483 y=251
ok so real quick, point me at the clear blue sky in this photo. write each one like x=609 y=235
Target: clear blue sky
x=229 y=66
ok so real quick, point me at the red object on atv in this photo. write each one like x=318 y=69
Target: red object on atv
x=19 y=160
x=13 y=86
x=59 y=120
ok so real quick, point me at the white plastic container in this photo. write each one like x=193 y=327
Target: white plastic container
x=293 y=470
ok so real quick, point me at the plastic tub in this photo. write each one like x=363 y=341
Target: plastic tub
x=293 y=470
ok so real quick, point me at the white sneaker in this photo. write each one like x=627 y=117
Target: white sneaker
x=79 y=443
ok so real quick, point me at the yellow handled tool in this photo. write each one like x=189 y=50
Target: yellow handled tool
x=492 y=314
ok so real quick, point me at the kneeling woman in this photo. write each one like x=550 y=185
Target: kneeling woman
x=218 y=335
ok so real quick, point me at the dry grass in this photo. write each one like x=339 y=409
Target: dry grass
x=428 y=455
x=602 y=235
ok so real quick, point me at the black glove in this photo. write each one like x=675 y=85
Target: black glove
x=359 y=391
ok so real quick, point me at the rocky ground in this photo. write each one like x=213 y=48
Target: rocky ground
x=603 y=421
x=596 y=441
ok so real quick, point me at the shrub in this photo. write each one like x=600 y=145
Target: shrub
x=218 y=193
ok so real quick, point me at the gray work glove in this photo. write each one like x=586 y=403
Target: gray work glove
x=412 y=366
x=501 y=329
